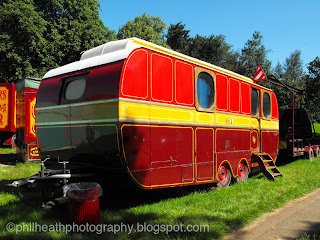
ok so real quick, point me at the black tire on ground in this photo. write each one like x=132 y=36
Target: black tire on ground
x=224 y=176
x=243 y=172
x=310 y=154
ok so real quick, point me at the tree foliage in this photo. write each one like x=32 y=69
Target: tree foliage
x=36 y=35
x=212 y=49
x=293 y=69
x=312 y=87
x=292 y=74
x=253 y=54
x=146 y=27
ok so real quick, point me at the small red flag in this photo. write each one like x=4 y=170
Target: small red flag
x=259 y=75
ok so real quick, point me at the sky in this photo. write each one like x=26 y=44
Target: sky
x=286 y=25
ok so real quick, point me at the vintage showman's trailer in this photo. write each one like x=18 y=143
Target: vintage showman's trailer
x=7 y=114
x=27 y=89
x=163 y=118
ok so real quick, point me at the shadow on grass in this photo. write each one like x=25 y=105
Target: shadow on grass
x=10 y=159
x=25 y=209
x=115 y=210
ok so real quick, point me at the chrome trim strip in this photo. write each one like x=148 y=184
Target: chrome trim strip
x=78 y=104
x=77 y=122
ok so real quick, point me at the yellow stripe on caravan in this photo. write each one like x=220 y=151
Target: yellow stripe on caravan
x=265 y=124
x=150 y=113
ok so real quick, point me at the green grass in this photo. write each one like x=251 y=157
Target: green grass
x=222 y=210
x=19 y=171
x=317 y=127
x=8 y=150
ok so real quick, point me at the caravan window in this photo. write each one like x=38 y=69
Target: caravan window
x=73 y=89
x=255 y=102
x=205 y=91
x=266 y=105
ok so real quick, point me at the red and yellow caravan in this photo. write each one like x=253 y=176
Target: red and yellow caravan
x=7 y=113
x=27 y=89
x=163 y=117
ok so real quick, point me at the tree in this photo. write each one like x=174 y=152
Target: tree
x=284 y=97
x=146 y=27
x=253 y=54
x=21 y=40
x=178 y=38
x=293 y=69
x=312 y=87
x=39 y=35
x=213 y=49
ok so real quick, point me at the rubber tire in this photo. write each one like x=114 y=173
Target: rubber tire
x=310 y=154
x=242 y=167
x=225 y=173
x=317 y=152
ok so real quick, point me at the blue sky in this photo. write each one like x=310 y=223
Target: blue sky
x=285 y=25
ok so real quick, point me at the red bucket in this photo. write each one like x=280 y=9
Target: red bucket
x=83 y=202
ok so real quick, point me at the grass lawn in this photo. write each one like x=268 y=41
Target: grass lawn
x=317 y=127
x=220 y=211
x=8 y=150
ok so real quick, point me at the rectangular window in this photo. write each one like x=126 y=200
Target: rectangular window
x=255 y=103
x=266 y=105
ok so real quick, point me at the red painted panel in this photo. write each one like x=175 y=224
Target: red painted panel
x=184 y=84
x=232 y=140
x=187 y=173
x=204 y=153
x=161 y=78
x=275 y=110
x=184 y=145
x=163 y=146
x=234 y=95
x=245 y=99
x=168 y=175
x=270 y=142
x=136 y=146
x=30 y=134
x=254 y=140
x=135 y=75
x=143 y=177
x=103 y=82
x=33 y=153
x=222 y=92
x=185 y=152
x=49 y=92
x=7 y=107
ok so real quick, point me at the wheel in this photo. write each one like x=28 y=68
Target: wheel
x=224 y=176
x=243 y=172
x=317 y=152
x=310 y=154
